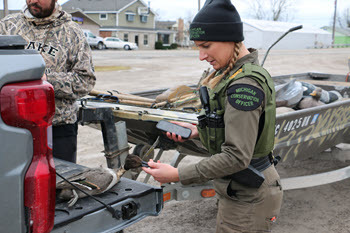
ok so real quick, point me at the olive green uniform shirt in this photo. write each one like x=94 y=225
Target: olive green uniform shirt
x=241 y=130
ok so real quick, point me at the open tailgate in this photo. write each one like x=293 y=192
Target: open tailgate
x=132 y=200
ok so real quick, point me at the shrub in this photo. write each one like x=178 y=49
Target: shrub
x=159 y=45
x=173 y=46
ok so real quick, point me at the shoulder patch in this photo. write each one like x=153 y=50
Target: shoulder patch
x=245 y=97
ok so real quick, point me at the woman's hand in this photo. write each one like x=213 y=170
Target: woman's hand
x=161 y=172
x=44 y=78
x=177 y=138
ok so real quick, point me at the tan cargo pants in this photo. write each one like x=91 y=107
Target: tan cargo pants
x=244 y=209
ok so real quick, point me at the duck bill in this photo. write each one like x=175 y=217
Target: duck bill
x=313 y=93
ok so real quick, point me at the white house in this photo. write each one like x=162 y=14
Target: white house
x=261 y=34
x=129 y=20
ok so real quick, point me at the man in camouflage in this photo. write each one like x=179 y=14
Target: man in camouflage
x=62 y=44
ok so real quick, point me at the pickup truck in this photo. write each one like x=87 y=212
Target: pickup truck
x=28 y=170
x=93 y=40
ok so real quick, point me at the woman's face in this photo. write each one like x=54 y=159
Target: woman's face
x=218 y=54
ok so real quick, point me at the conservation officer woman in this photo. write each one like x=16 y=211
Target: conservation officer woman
x=236 y=126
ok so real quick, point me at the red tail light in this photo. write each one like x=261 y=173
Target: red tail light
x=31 y=105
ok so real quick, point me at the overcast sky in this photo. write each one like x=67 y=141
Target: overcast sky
x=309 y=12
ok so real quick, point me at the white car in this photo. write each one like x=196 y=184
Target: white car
x=116 y=43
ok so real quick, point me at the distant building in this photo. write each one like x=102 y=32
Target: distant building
x=85 y=21
x=261 y=34
x=182 y=33
x=179 y=28
x=166 y=32
x=129 y=20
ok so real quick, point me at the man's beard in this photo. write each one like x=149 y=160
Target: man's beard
x=42 y=13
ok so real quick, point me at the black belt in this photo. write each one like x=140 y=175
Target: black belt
x=252 y=176
x=262 y=163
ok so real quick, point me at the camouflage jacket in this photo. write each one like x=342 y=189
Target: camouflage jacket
x=66 y=52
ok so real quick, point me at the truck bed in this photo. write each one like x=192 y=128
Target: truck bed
x=132 y=200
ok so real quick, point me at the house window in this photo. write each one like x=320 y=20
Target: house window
x=130 y=16
x=165 y=38
x=103 y=16
x=145 y=39
x=143 y=18
x=126 y=37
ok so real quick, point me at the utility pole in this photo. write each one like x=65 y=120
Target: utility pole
x=6 y=8
x=334 y=19
x=199 y=5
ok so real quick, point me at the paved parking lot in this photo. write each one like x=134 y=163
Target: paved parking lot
x=151 y=69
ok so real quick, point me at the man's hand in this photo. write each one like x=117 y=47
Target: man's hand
x=177 y=138
x=161 y=172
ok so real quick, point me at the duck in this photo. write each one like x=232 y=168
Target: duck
x=326 y=96
x=313 y=100
x=94 y=181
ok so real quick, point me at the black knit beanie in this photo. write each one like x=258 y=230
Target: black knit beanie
x=218 y=20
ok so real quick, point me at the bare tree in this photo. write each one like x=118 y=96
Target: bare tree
x=189 y=16
x=276 y=10
x=257 y=9
x=345 y=18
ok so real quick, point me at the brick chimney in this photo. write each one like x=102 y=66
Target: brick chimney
x=180 y=30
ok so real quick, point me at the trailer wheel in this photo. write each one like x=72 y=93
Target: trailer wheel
x=141 y=149
x=137 y=149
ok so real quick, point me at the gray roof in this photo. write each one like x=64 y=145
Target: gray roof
x=96 y=5
x=165 y=24
x=279 y=26
x=127 y=28
x=160 y=30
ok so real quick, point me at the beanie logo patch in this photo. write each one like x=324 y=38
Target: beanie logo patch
x=196 y=33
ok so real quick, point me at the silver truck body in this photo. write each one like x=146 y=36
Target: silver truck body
x=16 y=145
